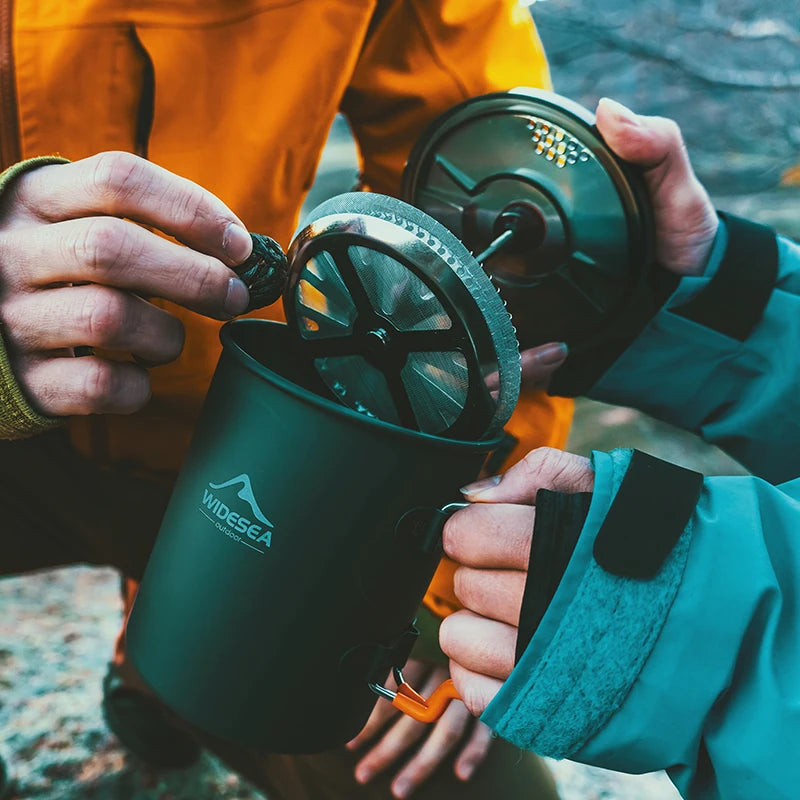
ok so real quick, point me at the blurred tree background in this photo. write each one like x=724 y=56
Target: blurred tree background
x=727 y=70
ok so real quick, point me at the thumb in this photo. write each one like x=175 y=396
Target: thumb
x=544 y=468
x=649 y=142
x=686 y=222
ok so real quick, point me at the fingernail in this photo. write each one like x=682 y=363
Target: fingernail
x=553 y=354
x=464 y=771
x=620 y=111
x=363 y=775
x=352 y=744
x=237 y=299
x=479 y=487
x=236 y=243
x=401 y=787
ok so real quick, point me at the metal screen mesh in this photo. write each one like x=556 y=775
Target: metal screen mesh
x=358 y=385
x=397 y=292
x=437 y=385
x=324 y=306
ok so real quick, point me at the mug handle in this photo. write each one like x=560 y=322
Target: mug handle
x=407 y=699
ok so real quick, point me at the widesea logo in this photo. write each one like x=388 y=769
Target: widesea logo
x=237 y=514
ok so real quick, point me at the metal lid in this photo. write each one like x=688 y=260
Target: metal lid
x=533 y=163
x=399 y=320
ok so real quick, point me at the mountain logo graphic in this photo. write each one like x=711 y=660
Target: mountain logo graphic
x=246 y=494
x=248 y=522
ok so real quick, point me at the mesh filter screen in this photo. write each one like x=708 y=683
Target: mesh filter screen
x=324 y=306
x=437 y=385
x=359 y=385
x=398 y=293
x=394 y=349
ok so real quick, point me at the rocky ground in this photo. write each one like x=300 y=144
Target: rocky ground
x=56 y=630
x=730 y=73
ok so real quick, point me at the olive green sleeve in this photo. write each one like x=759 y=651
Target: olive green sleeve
x=18 y=419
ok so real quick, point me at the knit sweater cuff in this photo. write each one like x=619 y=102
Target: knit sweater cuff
x=18 y=419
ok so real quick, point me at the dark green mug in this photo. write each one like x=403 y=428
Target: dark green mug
x=296 y=548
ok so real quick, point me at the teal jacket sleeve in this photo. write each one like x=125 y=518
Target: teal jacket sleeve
x=740 y=394
x=694 y=670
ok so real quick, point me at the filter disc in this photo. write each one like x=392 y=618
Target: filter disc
x=534 y=163
x=399 y=320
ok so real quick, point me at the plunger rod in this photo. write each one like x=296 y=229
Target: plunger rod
x=498 y=244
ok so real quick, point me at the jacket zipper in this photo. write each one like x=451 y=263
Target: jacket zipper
x=9 y=124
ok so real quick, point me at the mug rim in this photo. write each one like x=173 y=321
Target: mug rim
x=230 y=345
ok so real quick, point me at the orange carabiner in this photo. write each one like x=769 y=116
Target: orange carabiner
x=413 y=704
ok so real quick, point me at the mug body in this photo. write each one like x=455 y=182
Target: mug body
x=296 y=548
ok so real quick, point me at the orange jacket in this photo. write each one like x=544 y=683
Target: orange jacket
x=239 y=97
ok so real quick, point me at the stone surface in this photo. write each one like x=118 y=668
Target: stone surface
x=56 y=632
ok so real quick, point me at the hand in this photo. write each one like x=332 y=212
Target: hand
x=404 y=733
x=492 y=539
x=685 y=220
x=74 y=271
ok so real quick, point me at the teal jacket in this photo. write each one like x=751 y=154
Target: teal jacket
x=695 y=670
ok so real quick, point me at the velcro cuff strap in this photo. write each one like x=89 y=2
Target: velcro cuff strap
x=735 y=298
x=556 y=530
x=653 y=506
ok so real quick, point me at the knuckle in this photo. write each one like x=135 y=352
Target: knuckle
x=100 y=244
x=473 y=698
x=107 y=386
x=206 y=283
x=536 y=460
x=19 y=329
x=103 y=315
x=459 y=532
x=99 y=384
x=672 y=129
x=540 y=454
x=672 y=133
x=552 y=467
x=451 y=537
x=114 y=176
x=190 y=204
